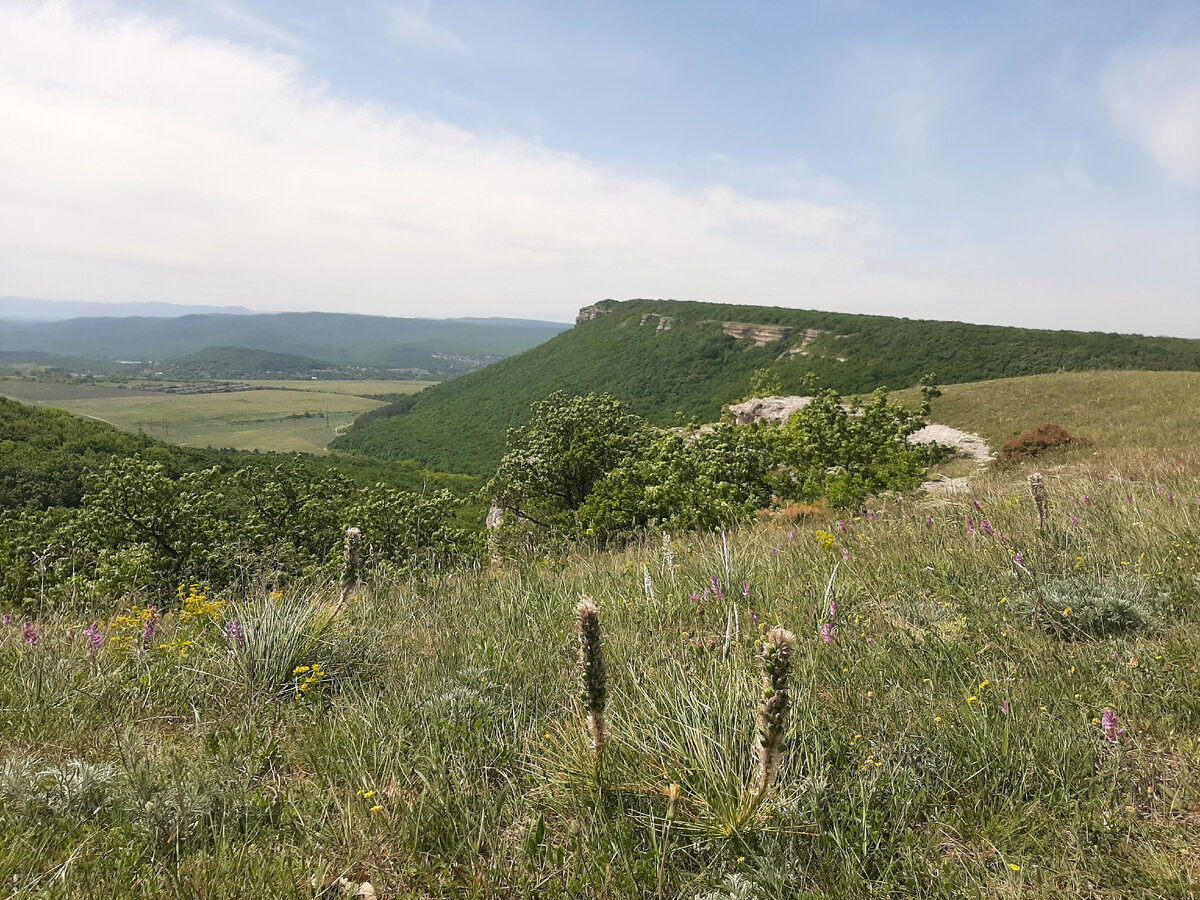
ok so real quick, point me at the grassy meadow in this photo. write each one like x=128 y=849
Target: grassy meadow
x=981 y=705
x=284 y=416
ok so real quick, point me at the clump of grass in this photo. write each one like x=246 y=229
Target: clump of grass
x=282 y=637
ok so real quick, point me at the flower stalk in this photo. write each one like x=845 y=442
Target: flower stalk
x=352 y=563
x=594 y=692
x=777 y=651
x=1037 y=487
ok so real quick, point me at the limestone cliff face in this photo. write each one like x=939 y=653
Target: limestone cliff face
x=596 y=309
x=760 y=334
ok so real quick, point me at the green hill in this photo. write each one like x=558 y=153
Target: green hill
x=665 y=357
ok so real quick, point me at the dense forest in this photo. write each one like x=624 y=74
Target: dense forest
x=672 y=359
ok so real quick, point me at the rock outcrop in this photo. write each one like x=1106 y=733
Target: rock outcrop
x=760 y=334
x=768 y=409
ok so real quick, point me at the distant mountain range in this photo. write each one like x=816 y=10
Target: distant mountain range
x=26 y=309
x=439 y=347
x=666 y=357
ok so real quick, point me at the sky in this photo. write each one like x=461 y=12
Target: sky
x=1023 y=163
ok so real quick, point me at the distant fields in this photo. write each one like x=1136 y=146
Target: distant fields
x=285 y=416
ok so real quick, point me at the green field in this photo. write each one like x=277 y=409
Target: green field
x=359 y=388
x=281 y=420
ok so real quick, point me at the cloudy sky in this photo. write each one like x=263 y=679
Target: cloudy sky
x=1022 y=163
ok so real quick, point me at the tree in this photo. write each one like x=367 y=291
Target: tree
x=555 y=461
x=846 y=453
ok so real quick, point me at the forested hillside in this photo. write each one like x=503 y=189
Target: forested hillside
x=665 y=357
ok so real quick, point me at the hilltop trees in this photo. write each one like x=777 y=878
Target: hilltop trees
x=585 y=464
x=555 y=461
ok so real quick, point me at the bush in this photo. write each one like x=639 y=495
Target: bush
x=1046 y=436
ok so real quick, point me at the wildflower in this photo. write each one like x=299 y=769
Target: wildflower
x=1170 y=499
x=694 y=596
x=746 y=589
x=351 y=563
x=827 y=632
x=833 y=610
x=972 y=699
x=150 y=626
x=235 y=634
x=595 y=677
x=1014 y=867
x=824 y=538
x=1037 y=487
x=1074 y=521
x=30 y=636
x=774 y=551
x=717 y=591
x=647 y=583
x=846 y=554
x=929 y=520
x=983 y=684
x=7 y=619
x=985 y=527
x=1004 y=707
x=95 y=637
x=1109 y=723
x=772 y=711
x=841 y=525
x=376 y=808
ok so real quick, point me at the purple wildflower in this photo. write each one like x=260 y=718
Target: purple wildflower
x=694 y=596
x=985 y=527
x=774 y=551
x=827 y=632
x=151 y=624
x=833 y=610
x=95 y=637
x=754 y=618
x=1074 y=521
x=841 y=525
x=871 y=517
x=9 y=618
x=1074 y=502
x=235 y=634
x=1159 y=488
x=1128 y=500
x=717 y=591
x=791 y=535
x=846 y=554
x=1170 y=499
x=929 y=519
x=1108 y=721
x=746 y=589
x=1087 y=501
x=1004 y=707
x=31 y=636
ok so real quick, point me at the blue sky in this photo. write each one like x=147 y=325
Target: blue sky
x=1018 y=163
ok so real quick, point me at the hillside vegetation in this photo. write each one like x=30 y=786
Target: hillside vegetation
x=667 y=357
x=976 y=704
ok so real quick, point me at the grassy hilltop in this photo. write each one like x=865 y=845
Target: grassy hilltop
x=666 y=357
x=996 y=707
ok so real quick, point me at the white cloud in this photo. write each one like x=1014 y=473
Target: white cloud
x=140 y=162
x=1153 y=95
